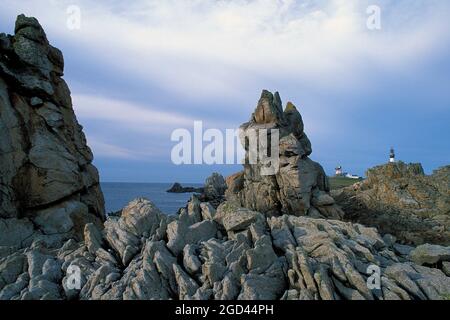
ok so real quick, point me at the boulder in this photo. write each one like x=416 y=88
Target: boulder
x=235 y=218
x=180 y=234
x=428 y=254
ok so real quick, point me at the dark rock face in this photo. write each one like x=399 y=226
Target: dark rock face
x=214 y=191
x=215 y=186
x=178 y=188
x=300 y=187
x=401 y=200
x=46 y=171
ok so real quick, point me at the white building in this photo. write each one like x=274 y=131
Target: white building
x=392 y=156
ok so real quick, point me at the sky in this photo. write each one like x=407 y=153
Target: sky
x=139 y=69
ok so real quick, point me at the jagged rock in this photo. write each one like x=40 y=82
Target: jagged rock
x=389 y=239
x=420 y=282
x=208 y=211
x=400 y=199
x=298 y=186
x=235 y=218
x=214 y=266
x=11 y=268
x=214 y=190
x=430 y=254
x=139 y=219
x=446 y=268
x=403 y=250
x=60 y=219
x=194 y=212
x=215 y=186
x=46 y=174
x=284 y=257
x=186 y=286
x=267 y=286
x=14 y=289
x=191 y=261
x=93 y=238
x=179 y=234
x=16 y=232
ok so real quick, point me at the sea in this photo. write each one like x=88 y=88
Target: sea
x=118 y=195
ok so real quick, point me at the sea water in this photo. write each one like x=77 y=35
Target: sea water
x=118 y=195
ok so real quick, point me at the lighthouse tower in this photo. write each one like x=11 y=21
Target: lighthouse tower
x=392 y=156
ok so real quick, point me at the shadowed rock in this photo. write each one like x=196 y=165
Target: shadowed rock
x=46 y=171
x=300 y=186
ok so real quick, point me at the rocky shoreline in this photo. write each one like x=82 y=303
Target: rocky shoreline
x=255 y=237
x=400 y=199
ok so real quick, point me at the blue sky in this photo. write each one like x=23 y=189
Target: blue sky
x=137 y=71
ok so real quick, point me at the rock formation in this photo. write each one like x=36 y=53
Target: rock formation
x=178 y=188
x=300 y=186
x=212 y=192
x=215 y=187
x=231 y=253
x=257 y=245
x=400 y=199
x=48 y=185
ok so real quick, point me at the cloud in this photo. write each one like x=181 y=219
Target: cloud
x=125 y=130
x=119 y=129
x=203 y=59
x=106 y=150
x=202 y=48
x=128 y=115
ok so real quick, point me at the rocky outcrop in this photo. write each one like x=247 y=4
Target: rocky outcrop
x=215 y=186
x=299 y=187
x=49 y=188
x=238 y=254
x=214 y=191
x=400 y=199
x=178 y=188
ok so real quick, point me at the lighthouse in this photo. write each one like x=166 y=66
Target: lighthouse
x=392 y=156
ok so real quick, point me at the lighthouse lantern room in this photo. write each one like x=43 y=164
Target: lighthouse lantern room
x=392 y=156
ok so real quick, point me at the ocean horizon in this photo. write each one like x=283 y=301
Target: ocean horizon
x=119 y=194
